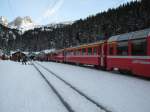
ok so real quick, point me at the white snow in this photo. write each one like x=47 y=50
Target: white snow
x=48 y=50
x=3 y=20
x=22 y=23
x=78 y=102
x=117 y=92
x=45 y=51
x=23 y=90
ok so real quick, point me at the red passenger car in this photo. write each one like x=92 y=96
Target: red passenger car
x=57 y=56
x=50 y=56
x=130 y=52
x=91 y=54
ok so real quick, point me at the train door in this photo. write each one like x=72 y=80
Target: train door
x=148 y=44
x=103 y=55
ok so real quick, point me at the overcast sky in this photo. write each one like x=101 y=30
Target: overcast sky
x=52 y=11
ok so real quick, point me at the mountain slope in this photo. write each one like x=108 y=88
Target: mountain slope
x=23 y=24
x=126 y=18
x=3 y=20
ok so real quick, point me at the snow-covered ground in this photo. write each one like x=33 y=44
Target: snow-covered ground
x=77 y=102
x=22 y=89
x=117 y=92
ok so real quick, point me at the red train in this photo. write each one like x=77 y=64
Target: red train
x=129 y=52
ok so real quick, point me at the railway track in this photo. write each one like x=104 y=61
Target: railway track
x=64 y=102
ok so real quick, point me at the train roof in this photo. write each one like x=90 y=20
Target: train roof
x=56 y=51
x=130 y=36
x=86 y=45
x=80 y=46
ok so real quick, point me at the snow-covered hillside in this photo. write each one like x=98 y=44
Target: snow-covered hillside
x=59 y=24
x=3 y=20
x=23 y=24
x=26 y=23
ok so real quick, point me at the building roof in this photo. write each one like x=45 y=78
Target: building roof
x=18 y=52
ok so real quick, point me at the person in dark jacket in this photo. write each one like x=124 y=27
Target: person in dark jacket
x=24 y=60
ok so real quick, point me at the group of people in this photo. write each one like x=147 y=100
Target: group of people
x=22 y=59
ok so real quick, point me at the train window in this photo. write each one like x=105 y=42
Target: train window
x=100 y=50
x=71 y=53
x=78 y=52
x=139 y=47
x=111 y=50
x=89 y=51
x=95 y=51
x=83 y=51
x=122 y=48
x=68 y=53
x=74 y=52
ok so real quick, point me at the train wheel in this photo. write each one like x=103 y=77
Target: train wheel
x=122 y=71
x=97 y=66
x=127 y=72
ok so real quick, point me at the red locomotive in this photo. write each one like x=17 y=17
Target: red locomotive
x=129 y=52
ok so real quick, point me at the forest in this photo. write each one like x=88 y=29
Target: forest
x=128 y=17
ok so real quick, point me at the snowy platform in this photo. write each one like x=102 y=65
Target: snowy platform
x=22 y=89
